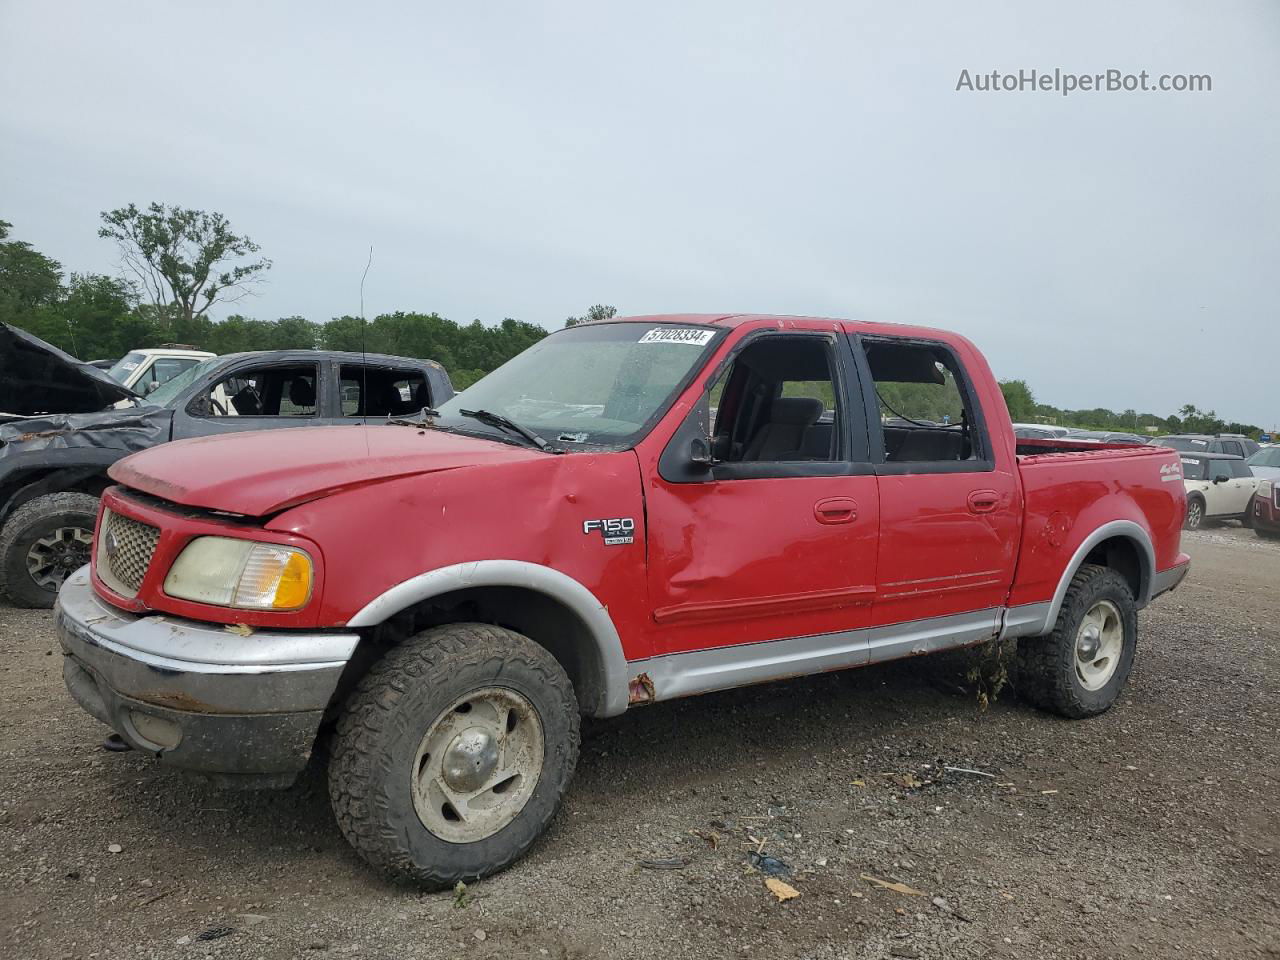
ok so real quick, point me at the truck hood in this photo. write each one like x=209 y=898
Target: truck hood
x=36 y=378
x=265 y=471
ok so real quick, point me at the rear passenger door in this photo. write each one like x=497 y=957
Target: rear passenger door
x=950 y=509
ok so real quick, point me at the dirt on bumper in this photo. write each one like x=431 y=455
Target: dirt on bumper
x=195 y=696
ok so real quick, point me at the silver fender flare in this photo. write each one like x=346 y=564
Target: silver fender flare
x=515 y=573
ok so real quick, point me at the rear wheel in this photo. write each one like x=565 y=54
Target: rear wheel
x=1195 y=513
x=453 y=753
x=1079 y=669
x=43 y=542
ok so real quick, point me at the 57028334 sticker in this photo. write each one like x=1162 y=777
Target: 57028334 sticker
x=690 y=335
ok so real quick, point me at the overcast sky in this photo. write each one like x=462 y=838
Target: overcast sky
x=528 y=159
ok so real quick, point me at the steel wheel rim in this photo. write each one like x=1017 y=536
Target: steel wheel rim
x=1193 y=514
x=1099 y=645
x=477 y=765
x=53 y=558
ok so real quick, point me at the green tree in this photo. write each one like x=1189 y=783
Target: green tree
x=184 y=260
x=1019 y=399
x=598 y=312
x=28 y=279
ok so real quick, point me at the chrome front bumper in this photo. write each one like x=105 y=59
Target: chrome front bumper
x=195 y=695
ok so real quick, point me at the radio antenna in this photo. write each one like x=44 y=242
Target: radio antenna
x=364 y=342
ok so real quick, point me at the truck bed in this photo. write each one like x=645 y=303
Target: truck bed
x=1071 y=489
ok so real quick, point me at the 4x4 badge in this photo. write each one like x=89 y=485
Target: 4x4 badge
x=617 y=531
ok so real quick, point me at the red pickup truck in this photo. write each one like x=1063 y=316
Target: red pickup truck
x=628 y=512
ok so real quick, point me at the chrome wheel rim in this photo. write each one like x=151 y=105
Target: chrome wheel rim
x=477 y=765
x=1193 y=514
x=53 y=558
x=1099 y=644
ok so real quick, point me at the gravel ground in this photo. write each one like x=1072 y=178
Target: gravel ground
x=1150 y=831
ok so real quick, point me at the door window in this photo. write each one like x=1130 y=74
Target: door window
x=1220 y=470
x=927 y=411
x=1232 y=447
x=278 y=390
x=374 y=392
x=779 y=402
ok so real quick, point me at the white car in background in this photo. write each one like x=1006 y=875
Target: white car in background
x=1266 y=463
x=144 y=370
x=1219 y=486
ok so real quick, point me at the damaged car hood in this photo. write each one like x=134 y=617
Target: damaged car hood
x=263 y=472
x=38 y=378
x=129 y=429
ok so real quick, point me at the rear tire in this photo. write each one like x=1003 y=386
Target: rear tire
x=42 y=543
x=1195 y=513
x=1080 y=668
x=453 y=753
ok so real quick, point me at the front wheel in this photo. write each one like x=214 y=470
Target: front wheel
x=43 y=542
x=453 y=753
x=1195 y=514
x=1079 y=669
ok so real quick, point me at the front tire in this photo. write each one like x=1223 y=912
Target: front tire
x=1195 y=514
x=43 y=542
x=1080 y=668
x=453 y=753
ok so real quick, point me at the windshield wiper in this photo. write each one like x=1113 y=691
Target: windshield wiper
x=506 y=423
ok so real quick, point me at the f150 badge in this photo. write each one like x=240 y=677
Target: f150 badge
x=617 y=531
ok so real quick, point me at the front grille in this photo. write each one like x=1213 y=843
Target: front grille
x=125 y=547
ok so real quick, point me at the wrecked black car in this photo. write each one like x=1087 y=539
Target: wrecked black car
x=57 y=439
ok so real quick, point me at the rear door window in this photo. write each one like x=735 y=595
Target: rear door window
x=928 y=413
x=382 y=392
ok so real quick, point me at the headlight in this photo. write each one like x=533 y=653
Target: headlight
x=241 y=573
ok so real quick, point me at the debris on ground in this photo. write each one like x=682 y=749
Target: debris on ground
x=783 y=891
x=114 y=848
x=891 y=885
x=769 y=866
x=976 y=773
x=665 y=863
x=215 y=933
x=114 y=743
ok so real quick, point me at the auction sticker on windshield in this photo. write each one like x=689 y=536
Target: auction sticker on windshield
x=690 y=335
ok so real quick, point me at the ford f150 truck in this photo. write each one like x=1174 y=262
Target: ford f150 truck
x=56 y=440
x=628 y=512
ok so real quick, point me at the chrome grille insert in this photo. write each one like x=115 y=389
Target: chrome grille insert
x=125 y=547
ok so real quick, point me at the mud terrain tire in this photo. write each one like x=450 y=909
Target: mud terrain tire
x=380 y=776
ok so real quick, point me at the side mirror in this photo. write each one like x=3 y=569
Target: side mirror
x=700 y=452
x=150 y=388
x=1219 y=479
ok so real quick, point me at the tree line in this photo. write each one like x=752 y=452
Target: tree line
x=178 y=264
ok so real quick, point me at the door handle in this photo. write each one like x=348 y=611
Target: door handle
x=836 y=510
x=983 y=501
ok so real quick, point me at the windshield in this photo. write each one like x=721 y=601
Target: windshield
x=165 y=394
x=1183 y=443
x=1266 y=457
x=591 y=384
x=123 y=368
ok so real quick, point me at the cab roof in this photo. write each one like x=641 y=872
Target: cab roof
x=734 y=320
